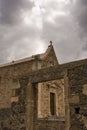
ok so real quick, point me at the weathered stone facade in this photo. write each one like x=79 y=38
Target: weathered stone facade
x=44 y=90
x=37 y=93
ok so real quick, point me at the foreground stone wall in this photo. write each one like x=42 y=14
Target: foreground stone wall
x=13 y=96
x=14 y=117
x=78 y=97
x=47 y=124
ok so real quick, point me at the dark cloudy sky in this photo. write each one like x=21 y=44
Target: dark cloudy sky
x=27 y=26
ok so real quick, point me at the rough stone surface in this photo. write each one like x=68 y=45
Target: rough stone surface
x=78 y=110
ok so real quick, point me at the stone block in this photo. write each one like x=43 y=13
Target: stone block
x=74 y=99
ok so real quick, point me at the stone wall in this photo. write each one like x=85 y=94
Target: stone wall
x=78 y=97
x=13 y=96
x=14 y=117
x=46 y=124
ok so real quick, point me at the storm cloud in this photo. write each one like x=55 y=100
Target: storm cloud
x=10 y=10
x=27 y=26
x=80 y=13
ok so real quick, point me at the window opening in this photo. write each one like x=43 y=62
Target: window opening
x=52 y=104
x=77 y=109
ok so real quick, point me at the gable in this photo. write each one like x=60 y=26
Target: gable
x=49 y=57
